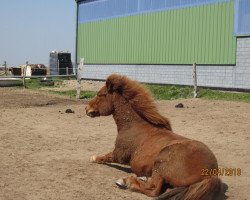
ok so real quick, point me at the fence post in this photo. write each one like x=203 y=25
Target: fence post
x=5 y=68
x=24 y=74
x=78 y=87
x=67 y=72
x=195 y=80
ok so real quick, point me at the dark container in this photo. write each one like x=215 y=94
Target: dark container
x=16 y=71
x=59 y=62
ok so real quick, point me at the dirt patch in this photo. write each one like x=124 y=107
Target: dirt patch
x=71 y=85
x=44 y=152
x=22 y=98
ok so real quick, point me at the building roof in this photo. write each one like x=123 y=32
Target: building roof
x=80 y=0
x=77 y=1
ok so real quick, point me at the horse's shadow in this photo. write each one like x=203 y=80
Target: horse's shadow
x=224 y=188
x=124 y=168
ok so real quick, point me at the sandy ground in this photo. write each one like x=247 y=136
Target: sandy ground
x=71 y=85
x=44 y=152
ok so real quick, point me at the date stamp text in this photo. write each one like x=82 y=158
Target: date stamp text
x=221 y=172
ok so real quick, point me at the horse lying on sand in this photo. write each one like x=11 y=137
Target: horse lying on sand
x=163 y=161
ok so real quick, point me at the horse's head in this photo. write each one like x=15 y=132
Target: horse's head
x=102 y=104
x=124 y=90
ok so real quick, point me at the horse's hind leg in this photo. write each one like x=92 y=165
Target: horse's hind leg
x=151 y=187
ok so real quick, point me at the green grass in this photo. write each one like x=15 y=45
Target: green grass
x=165 y=92
x=35 y=83
x=32 y=83
x=160 y=92
x=222 y=95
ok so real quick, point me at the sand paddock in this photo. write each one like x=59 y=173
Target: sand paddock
x=44 y=152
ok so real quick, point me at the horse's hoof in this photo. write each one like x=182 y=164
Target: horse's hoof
x=93 y=159
x=121 y=184
x=143 y=178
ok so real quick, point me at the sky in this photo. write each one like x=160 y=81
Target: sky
x=30 y=29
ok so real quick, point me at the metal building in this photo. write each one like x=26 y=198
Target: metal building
x=157 y=41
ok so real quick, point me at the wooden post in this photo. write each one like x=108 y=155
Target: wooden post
x=195 y=80
x=78 y=87
x=24 y=74
x=5 y=68
x=67 y=72
x=58 y=69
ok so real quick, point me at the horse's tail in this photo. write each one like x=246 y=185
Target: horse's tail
x=207 y=189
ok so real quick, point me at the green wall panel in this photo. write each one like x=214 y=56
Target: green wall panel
x=201 y=34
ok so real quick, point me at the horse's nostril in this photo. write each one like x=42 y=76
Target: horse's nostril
x=92 y=113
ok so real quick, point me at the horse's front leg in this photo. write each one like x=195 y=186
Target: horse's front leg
x=108 y=158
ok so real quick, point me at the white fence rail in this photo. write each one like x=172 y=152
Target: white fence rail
x=4 y=76
x=137 y=73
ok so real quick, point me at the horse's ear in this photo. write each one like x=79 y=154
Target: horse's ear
x=114 y=84
x=109 y=86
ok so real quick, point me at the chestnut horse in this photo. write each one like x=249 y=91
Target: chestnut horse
x=163 y=161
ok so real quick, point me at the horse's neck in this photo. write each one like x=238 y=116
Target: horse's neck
x=124 y=115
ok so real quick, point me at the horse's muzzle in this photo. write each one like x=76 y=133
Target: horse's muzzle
x=93 y=114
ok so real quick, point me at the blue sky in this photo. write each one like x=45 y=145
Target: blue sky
x=30 y=29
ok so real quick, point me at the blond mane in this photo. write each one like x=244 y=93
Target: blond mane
x=139 y=98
